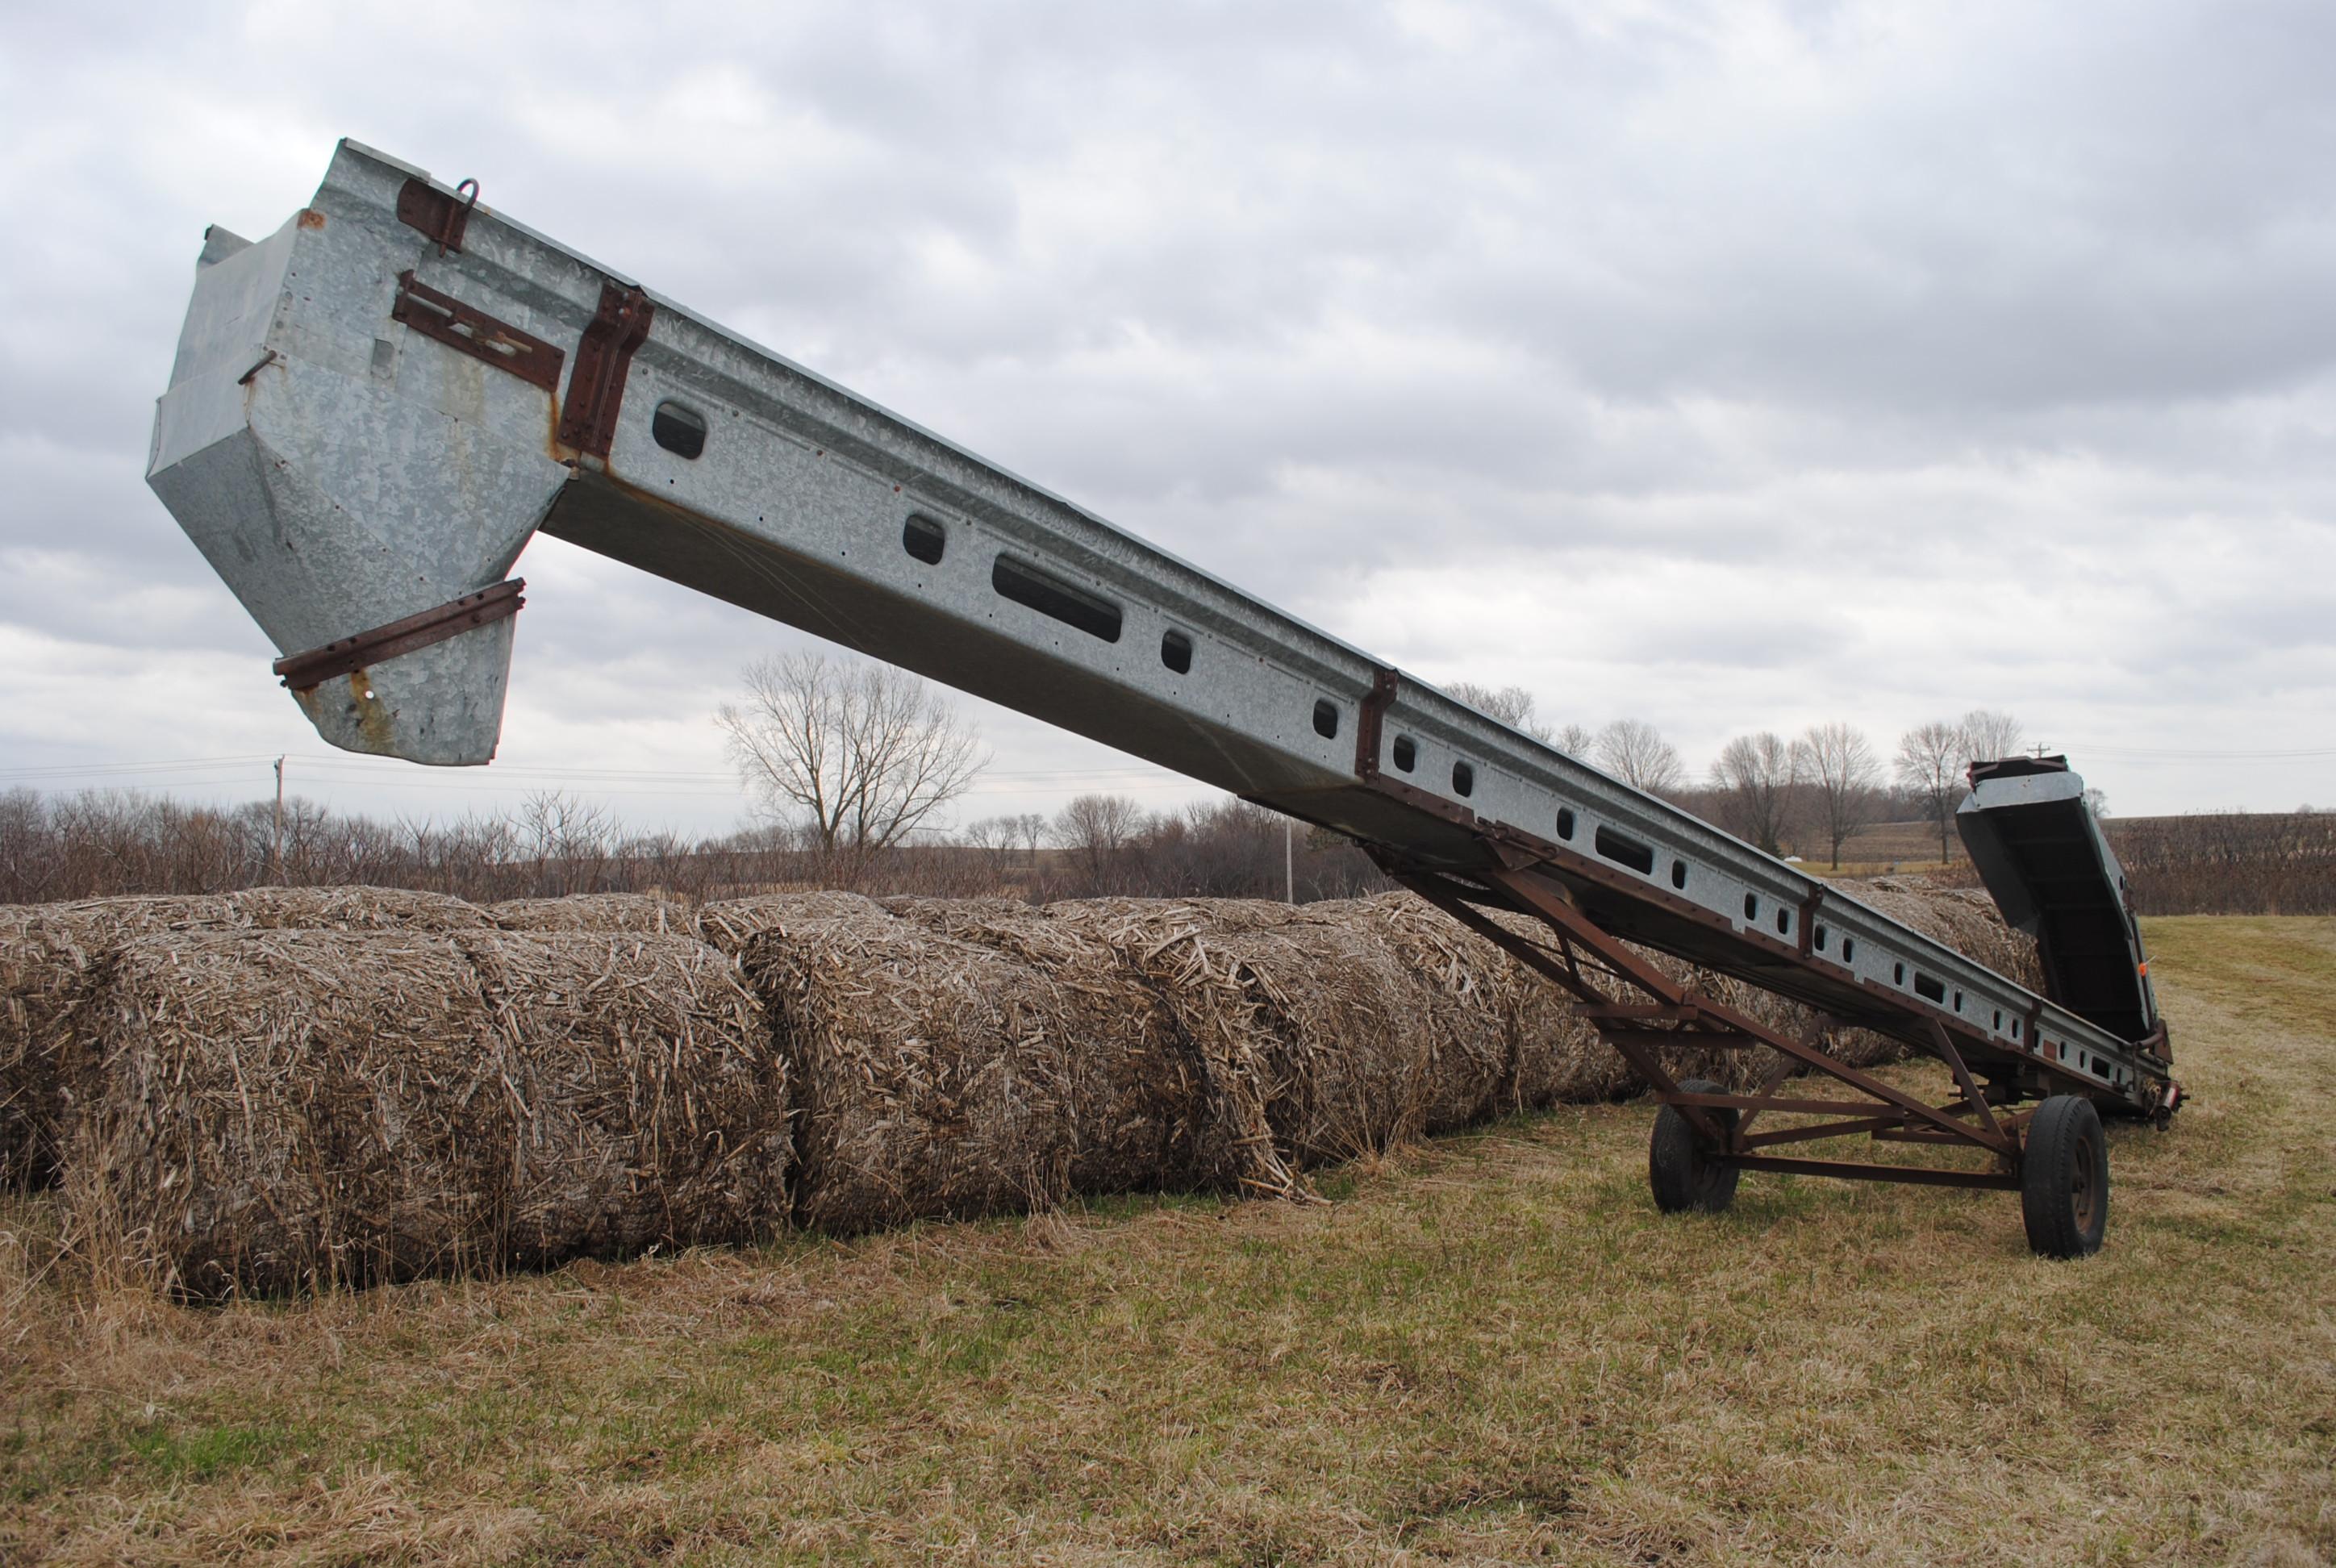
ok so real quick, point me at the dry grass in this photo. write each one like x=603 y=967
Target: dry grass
x=1490 y=1350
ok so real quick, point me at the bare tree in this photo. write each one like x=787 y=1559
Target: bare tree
x=859 y=754
x=568 y=838
x=1989 y=737
x=1838 y=763
x=1575 y=740
x=1098 y=829
x=1756 y=776
x=1512 y=705
x=1930 y=761
x=1636 y=752
x=995 y=838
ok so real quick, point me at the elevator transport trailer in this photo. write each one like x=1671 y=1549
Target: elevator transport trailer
x=373 y=410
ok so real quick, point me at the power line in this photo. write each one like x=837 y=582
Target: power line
x=2173 y=755
x=378 y=767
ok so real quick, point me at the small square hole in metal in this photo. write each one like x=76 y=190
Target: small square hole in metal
x=924 y=538
x=679 y=430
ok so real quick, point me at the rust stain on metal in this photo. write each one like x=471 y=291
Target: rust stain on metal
x=304 y=671
x=443 y=218
x=604 y=356
x=475 y=333
x=1372 y=720
x=311 y=218
x=374 y=717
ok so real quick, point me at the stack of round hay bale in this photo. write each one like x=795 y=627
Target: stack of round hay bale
x=305 y=1089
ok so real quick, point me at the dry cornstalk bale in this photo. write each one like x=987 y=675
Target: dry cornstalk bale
x=355 y=909
x=50 y=958
x=730 y=924
x=1146 y=1112
x=1465 y=1001
x=660 y=1109
x=292 y=1110
x=929 y=1075
x=1556 y=1058
x=1310 y=1021
x=53 y=955
x=639 y=913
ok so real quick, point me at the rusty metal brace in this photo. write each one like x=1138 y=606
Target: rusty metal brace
x=304 y=671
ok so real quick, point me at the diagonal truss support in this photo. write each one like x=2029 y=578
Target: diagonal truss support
x=1641 y=1011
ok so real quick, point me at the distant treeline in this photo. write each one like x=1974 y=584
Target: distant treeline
x=103 y=843
x=2230 y=862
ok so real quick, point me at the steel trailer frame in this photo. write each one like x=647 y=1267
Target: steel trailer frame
x=372 y=411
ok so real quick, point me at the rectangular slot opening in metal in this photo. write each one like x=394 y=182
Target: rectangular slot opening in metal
x=1639 y=857
x=1928 y=989
x=1026 y=585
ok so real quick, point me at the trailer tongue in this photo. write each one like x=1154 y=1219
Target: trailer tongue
x=374 y=409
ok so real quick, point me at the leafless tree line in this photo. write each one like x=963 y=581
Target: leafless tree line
x=849 y=766
x=100 y=845
x=106 y=843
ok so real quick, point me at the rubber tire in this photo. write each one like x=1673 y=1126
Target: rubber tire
x=2064 y=1179
x=1683 y=1178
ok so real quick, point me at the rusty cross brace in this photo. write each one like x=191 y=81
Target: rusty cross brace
x=1888 y=1111
x=1981 y=1110
x=1545 y=901
x=1781 y=1070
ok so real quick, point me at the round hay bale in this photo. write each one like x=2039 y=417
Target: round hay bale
x=641 y=914
x=52 y=956
x=355 y=909
x=1558 y=1058
x=929 y=1075
x=1464 y=996
x=301 y=1110
x=1145 y=1113
x=731 y=924
x=655 y=1109
x=1310 y=1022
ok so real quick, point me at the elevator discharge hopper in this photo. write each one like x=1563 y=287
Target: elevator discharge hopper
x=374 y=408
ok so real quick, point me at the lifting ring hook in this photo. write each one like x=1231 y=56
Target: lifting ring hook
x=457 y=218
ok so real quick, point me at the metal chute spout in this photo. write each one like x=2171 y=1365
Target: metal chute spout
x=342 y=480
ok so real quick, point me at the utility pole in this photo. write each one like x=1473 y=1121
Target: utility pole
x=1289 y=865
x=276 y=854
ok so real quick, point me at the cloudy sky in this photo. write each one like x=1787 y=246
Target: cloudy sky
x=1727 y=367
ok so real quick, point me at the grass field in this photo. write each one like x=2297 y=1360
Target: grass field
x=1492 y=1350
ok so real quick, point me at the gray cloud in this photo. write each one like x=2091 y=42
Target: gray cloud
x=1734 y=366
